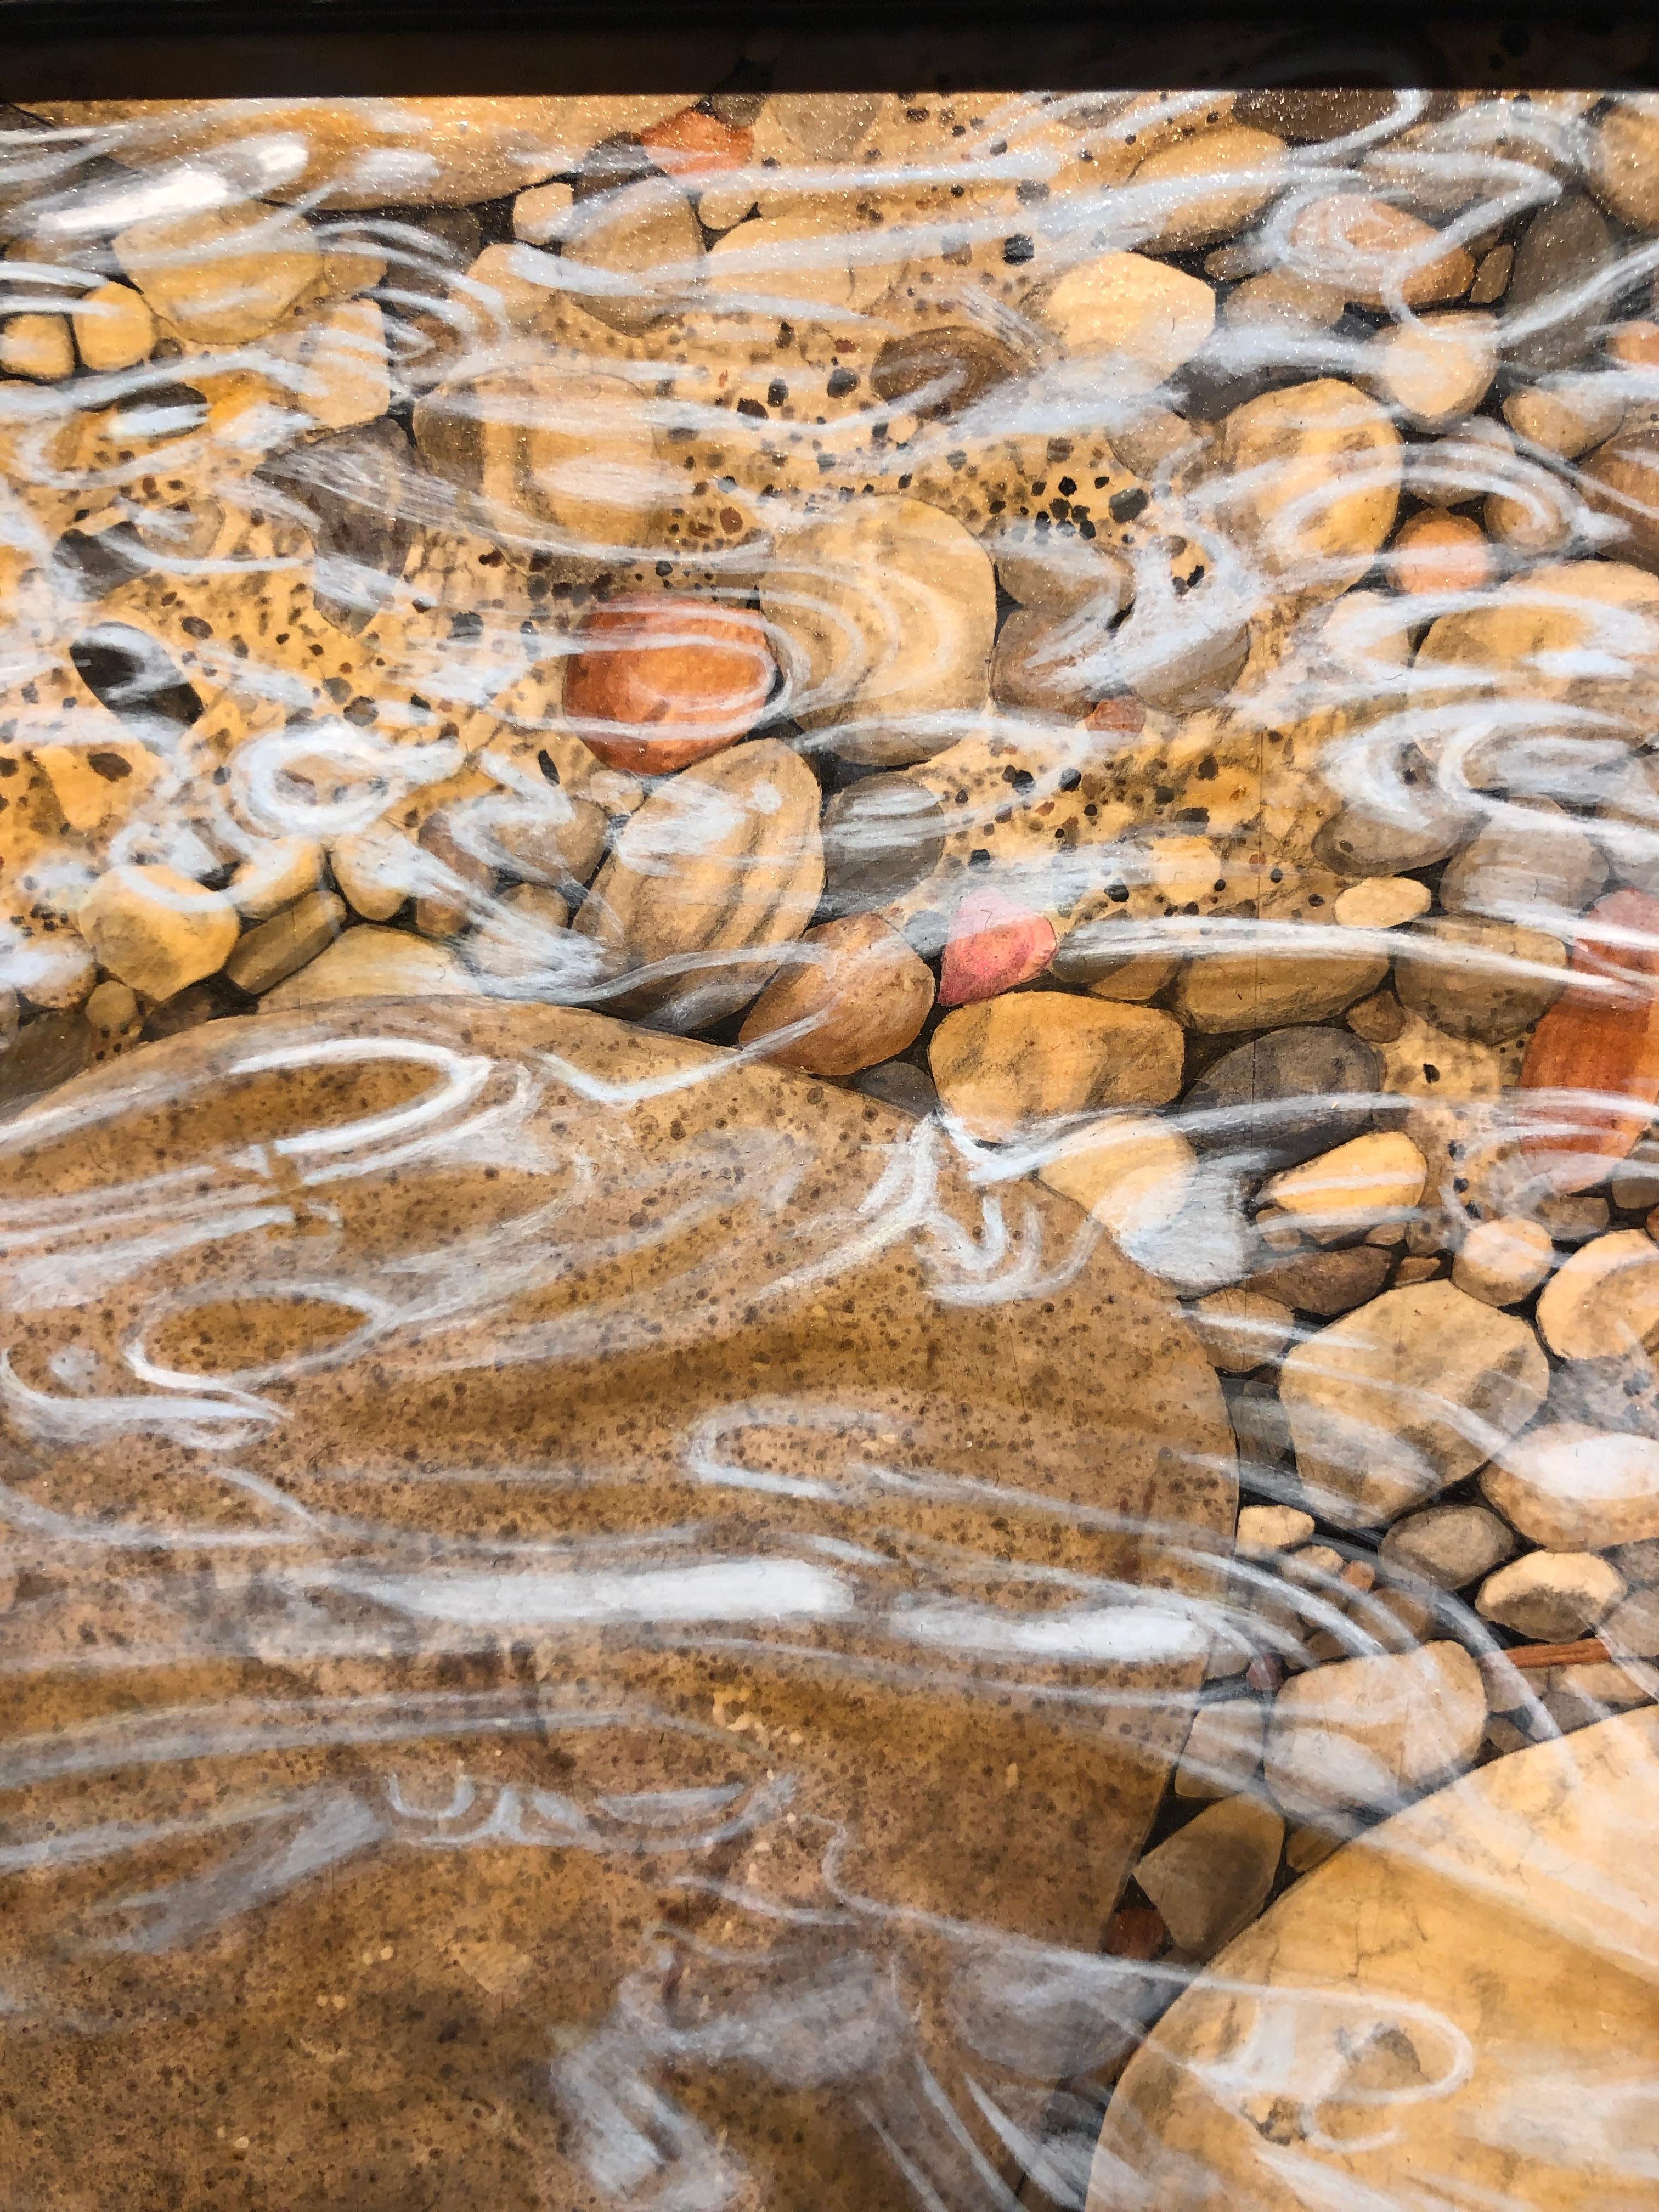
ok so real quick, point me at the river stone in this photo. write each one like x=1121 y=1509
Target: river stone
x=1534 y=865
x=1030 y=1056
x=1228 y=991
x=881 y=837
x=1469 y=1991
x=1405 y=1395
x=884 y=617
x=1366 y=1732
x=1450 y=1546
x=1563 y=248
x=560 y=1616
x=1286 y=1096
x=1310 y=479
x=724 y=858
x=1486 y=983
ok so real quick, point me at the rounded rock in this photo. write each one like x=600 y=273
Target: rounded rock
x=1031 y=1055
x=654 y=684
x=858 y=984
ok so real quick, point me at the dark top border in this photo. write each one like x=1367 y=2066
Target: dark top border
x=160 y=49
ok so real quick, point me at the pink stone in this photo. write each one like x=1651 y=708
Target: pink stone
x=993 y=944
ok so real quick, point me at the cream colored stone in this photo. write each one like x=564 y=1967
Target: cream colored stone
x=342 y=375
x=275 y=876
x=1436 y=368
x=37 y=346
x=113 y=327
x=223 y=275
x=1409 y=1394
x=1603 y=1300
x=1032 y=1054
x=1140 y=318
x=1212 y=1877
x=1468 y=1992
x=156 y=930
x=1272 y=1527
x=1572 y=1488
x=1366 y=1733
x=1309 y=477
x=641 y=244
x=1132 y=1172
x=1552 y=1597
x=540 y=213
x=370 y=964
x=1207 y=186
x=1242 y=1330
x=1501 y=1263
x=1278 y=300
x=796 y=264
x=1566 y=415
x=376 y=869
x=1222 y=1749
x=1370 y=1178
x=1381 y=902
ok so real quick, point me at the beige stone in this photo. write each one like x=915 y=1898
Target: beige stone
x=861 y=987
x=1553 y=1597
x=1625 y=160
x=1450 y=1546
x=724 y=858
x=37 y=346
x=1211 y=1878
x=223 y=275
x=1409 y=1394
x=341 y=374
x=798 y=262
x=1436 y=368
x=882 y=617
x=1603 y=1300
x=1380 y=255
x=1205 y=187
x=156 y=930
x=1140 y=318
x=275 y=948
x=113 y=327
x=1030 y=1055
x=1138 y=978
x=1227 y=991
x=1222 y=1749
x=1437 y=552
x=1273 y=1528
x=1381 y=902
x=525 y=937
x=641 y=244
x=370 y=964
x=1573 y=1488
x=376 y=869
x=1468 y=1992
x=1500 y=1262
x=1278 y=300
x=1131 y=1171
x=1566 y=414
x=1309 y=477
x=1475 y=976
x=1369 y=1732
x=1424 y=1062
x=1242 y=1330
x=275 y=875
x=1370 y=1178
x=539 y=215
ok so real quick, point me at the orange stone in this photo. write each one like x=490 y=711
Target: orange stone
x=1602 y=1043
x=864 y=991
x=694 y=141
x=1634 y=346
x=1437 y=552
x=993 y=946
x=657 y=682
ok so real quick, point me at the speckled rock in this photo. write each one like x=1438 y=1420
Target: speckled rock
x=1480 y=978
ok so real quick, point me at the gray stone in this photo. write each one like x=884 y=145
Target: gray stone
x=1286 y=1096
x=1531 y=870
x=1474 y=993
x=882 y=836
x=1450 y=1546
x=1564 y=247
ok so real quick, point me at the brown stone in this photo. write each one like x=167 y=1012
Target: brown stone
x=640 y=1631
x=656 y=684
x=276 y=948
x=1030 y=1055
x=1325 y=1283
x=936 y=371
x=865 y=993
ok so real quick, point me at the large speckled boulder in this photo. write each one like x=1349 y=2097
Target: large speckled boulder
x=601 y=1619
x=1469 y=1992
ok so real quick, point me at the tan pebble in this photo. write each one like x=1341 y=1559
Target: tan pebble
x=1222 y=1749
x=1365 y=1732
x=1633 y=345
x=1436 y=551
x=540 y=213
x=37 y=346
x=1379 y=254
x=367 y=963
x=1536 y=518
x=1241 y=1330
x=1552 y=1597
x=1273 y=1528
x=56 y=972
x=113 y=327
x=1381 y=902
x=376 y=870
x=287 y=942
x=275 y=876
x=1501 y=1263
x=1131 y=1171
x=1030 y=1056
x=1142 y=317
x=1383 y=1173
x=113 y=1009
x=1573 y=1488
x=1251 y=990
x=1212 y=1877
x=1603 y=1301
x=1379 y=1019
x=156 y=930
x=1420 y=1270
x=1566 y=415
x=1207 y=186
x=523 y=936
x=221 y=275
x=1436 y=368
x=858 y=984
x=1491 y=276
x=449 y=879
x=1278 y=299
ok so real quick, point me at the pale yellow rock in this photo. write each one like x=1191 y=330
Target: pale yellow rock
x=113 y=327
x=1381 y=902
x=40 y=346
x=1603 y=1301
x=223 y=275
x=1227 y=991
x=1278 y=300
x=1566 y=415
x=55 y=971
x=113 y=1009
x=1242 y=1330
x=342 y=375
x=1212 y=1877
x=1031 y=1055
x=1424 y=1062
x=275 y=876
x=1273 y=1528
x=1372 y=1177
x=1207 y=186
x=97 y=786
x=1552 y=1597
x=1308 y=478
x=1501 y=1263
x=1470 y=1991
x=1572 y=1488
x=371 y=963
x=539 y=214
x=156 y=930
x=376 y=870
x=1435 y=367
x=1368 y=1732
x=506 y=275
x=1224 y=1748
x=1140 y=318
x=1131 y=1172
x=641 y=242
